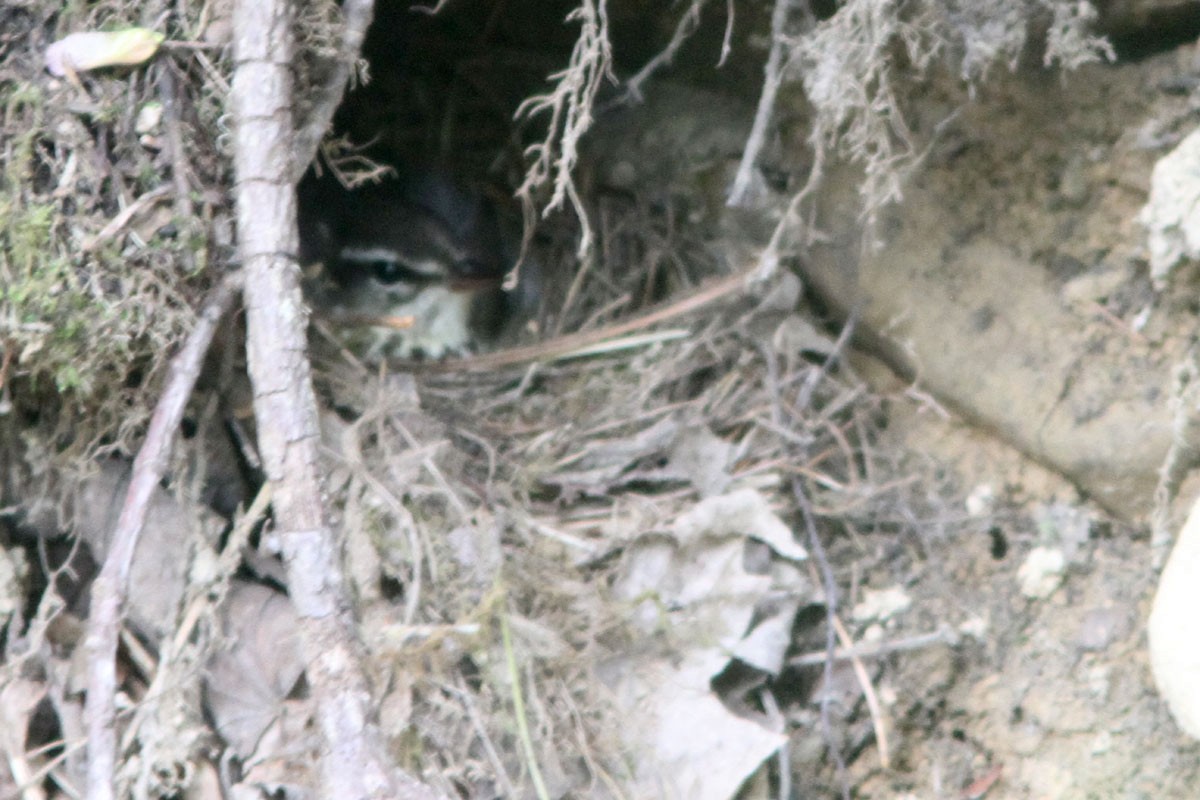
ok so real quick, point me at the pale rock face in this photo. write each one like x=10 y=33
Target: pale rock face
x=1172 y=216
x=1174 y=628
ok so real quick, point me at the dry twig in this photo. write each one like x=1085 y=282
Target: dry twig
x=746 y=189
x=942 y=636
x=569 y=107
x=827 y=580
x=582 y=340
x=355 y=764
x=872 y=698
x=689 y=21
x=168 y=95
x=356 y=18
x=829 y=584
x=108 y=591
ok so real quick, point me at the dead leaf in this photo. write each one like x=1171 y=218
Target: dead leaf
x=158 y=575
x=80 y=52
x=695 y=590
x=703 y=458
x=246 y=685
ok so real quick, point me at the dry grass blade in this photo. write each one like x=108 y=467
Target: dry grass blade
x=571 y=343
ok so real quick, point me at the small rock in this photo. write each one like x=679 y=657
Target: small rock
x=975 y=627
x=1172 y=217
x=1042 y=572
x=1100 y=628
x=149 y=117
x=982 y=500
x=881 y=604
x=1066 y=526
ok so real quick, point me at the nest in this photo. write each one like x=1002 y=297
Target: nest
x=489 y=508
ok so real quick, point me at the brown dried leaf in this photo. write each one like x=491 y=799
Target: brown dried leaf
x=247 y=684
x=159 y=573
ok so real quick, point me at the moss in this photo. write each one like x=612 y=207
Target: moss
x=78 y=321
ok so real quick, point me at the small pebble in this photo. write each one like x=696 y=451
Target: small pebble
x=1100 y=628
x=1042 y=572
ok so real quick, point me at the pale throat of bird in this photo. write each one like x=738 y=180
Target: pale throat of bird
x=420 y=250
x=411 y=269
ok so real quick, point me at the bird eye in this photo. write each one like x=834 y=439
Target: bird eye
x=388 y=272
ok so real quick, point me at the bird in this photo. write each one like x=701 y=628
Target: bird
x=415 y=246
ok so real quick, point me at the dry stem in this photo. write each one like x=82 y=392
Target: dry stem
x=356 y=18
x=562 y=345
x=689 y=21
x=746 y=189
x=108 y=591
x=569 y=106
x=355 y=763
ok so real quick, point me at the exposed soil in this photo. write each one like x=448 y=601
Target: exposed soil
x=983 y=459
x=1010 y=287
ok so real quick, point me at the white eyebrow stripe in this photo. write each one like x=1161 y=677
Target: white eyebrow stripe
x=427 y=267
